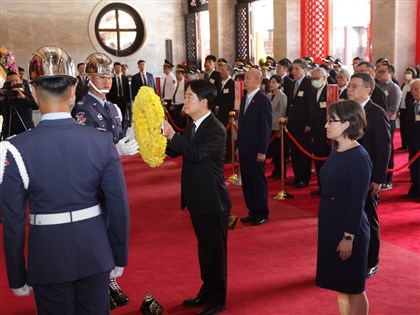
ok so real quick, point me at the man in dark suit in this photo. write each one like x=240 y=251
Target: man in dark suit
x=282 y=69
x=211 y=74
x=119 y=94
x=73 y=248
x=413 y=139
x=343 y=79
x=377 y=142
x=298 y=123
x=82 y=87
x=141 y=78
x=317 y=120
x=378 y=96
x=203 y=191
x=254 y=132
x=225 y=103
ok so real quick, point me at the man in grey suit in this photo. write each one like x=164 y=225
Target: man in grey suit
x=203 y=191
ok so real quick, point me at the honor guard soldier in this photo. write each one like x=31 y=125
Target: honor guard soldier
x=74 y=247
x=96 y=111
x=169 y=85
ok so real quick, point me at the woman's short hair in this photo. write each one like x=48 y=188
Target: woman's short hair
x=204 y=90
x=352 y=112
x=278 y=79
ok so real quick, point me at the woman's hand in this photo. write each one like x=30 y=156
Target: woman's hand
x=345 y=248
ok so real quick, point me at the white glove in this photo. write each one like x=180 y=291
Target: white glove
x=116 y=272
x=130 y=133
x=127 y=147
x=23 y=291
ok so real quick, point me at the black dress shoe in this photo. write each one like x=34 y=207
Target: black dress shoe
x=301 y=184
x=247 y=219
x=112 y=304
x=257 y=222
x=115 y=292
x=372 y=271
x=210 y=310
x=292 y=182
x=199 y=300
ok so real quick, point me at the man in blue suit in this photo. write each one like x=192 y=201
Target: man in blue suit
x=255 y=119
x=59 y=169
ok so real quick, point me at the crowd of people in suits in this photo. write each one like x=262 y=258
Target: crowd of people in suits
x=295 y=90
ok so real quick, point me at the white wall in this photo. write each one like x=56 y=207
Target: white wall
x=27 y=25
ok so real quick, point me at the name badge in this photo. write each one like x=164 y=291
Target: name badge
x=225 y=91
x=211 y=81
x=300 y=94
x=322 y=104
x=386 y=93
x=417 y=117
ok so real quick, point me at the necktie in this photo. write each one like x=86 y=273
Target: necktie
x=296 y=88
x=247 y=102
x=417 y=108
x=176 y=90
x=119 y=86
x=206 y=76
x=192 y=131
x=144 y=80
x=273 y=96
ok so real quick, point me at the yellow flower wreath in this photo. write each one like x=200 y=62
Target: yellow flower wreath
x=148 y=116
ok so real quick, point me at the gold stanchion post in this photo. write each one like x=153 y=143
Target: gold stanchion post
x=232 y=178
x=282 y=195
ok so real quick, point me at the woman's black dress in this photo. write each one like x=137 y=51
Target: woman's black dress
x=345 y=179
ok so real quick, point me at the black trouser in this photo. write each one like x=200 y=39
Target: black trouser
x=371 y=206
x=254 y=186
x=275 y=148
x=82 y=297
x=212 y=231
x=301 y=163
x=391 y=157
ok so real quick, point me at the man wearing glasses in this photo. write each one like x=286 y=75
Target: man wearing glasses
x=377 y=142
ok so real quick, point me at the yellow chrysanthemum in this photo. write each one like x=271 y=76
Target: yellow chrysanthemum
x=148 y=116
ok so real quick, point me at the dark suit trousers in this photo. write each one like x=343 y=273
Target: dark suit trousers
x=301 y=164
x=414 y=174
x=391 y=157
x=320 y=150
x=371 y=206
x=212 y=231
x=254 y=186
x=275 y=148
x=403 y=127
x=82 y=297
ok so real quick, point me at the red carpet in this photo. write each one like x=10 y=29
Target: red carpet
x=271 y=267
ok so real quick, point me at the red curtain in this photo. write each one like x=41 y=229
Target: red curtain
x=315 y=29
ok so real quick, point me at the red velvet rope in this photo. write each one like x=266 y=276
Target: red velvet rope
x=411 y=161
x=228 y=126
x=172 y=121
x=273 y=137
x=302 y=149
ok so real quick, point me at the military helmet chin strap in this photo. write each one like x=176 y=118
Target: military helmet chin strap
x=104 y=92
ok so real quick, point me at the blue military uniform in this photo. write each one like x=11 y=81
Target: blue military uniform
x=105 y=117
x=67 y=165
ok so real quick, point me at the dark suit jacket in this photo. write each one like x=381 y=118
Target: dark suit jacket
x=317 y=119
x=82 y=88
x=378 y=97
x=203 y=188
x=137 y=83
x=226 y=101
x=288 y=85
x=343 y=95
x=67 y=165
x=216 y=79
x=298 y=107
x=254 y=126
x=377 y=140
x=123 y=100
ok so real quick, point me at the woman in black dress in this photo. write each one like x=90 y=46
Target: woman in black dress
x=343 y=228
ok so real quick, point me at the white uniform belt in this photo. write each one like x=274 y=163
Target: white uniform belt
x=65 y=217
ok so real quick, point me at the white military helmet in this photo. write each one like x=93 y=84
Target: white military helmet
x=51 y=61
x=99 y=63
